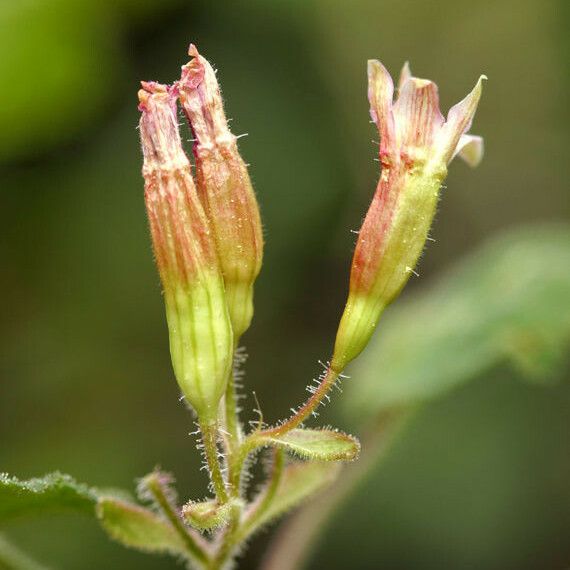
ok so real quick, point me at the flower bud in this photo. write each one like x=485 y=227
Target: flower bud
x=416 y=145
x=224 y=187
x=201 y=342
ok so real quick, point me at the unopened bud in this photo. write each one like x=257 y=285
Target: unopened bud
x=416 y=145
x=201 y=342
x=208 y=515
x=225 y=188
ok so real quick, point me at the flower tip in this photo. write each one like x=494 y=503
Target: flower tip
x=380 y=95
x=405 y=74
x=380 y=84
x=376 y=68
x=193 y=50
x=143 y=100
x=193 y=72
x=479 y=85
x=154 y=87
x=144 y=94
x=478 y=89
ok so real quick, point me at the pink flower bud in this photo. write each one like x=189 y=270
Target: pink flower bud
x=416 y=145
x=201 y=342
x=224 y=187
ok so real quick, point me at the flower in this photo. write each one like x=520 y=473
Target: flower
x=201 y=341
x=416 y=145
x=225 y=188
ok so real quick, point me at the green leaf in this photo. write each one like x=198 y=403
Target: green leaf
x=510 y=301
x=299 y=481
x=12 y=558
x=139 y=528
x=318 y=444
x=54 y=492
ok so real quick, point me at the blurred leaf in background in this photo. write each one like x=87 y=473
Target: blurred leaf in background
x=12 y=558
x=509 y=301
x=61 y=66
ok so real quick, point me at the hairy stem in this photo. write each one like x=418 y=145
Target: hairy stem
x=259 y=508
x=238 y=531
x=231 y=419
x=309 y=407
x=295 y=541
x=210 y=440
x=260 y=437
x=197 y=548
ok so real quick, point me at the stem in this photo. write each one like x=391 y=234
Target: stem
x=238 y=458
x=331 y=376
x=259 y=509
x=233 y=436
x=233 y=429
x=196 y=547
x=237 y=532
x=231 y=414
x=259 y=438
x=295 y=541
x=209 y=439
x=227 y=542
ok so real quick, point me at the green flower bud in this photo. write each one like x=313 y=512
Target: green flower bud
x=201 y=341
x=416 y=145
x=208 y=515
x=224 y=187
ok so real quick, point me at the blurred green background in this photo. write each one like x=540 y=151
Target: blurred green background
x=480 y=480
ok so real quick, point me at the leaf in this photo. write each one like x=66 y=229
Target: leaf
x=54 y=492
x=318 y=444
x=300 y=480
x=12 y=558
x=139 y=528
x=510 y=301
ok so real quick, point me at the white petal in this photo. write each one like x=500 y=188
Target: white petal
x=417 y=114
x=470 y=148
x=458 y=122
x=380 y=96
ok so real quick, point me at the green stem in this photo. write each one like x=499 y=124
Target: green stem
x=197 y=548
x=232 y=427
x=258 y=509
x=236 y=532
x=210 y=440
x=259 y=438
x=253 y=441
x=309 y=407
